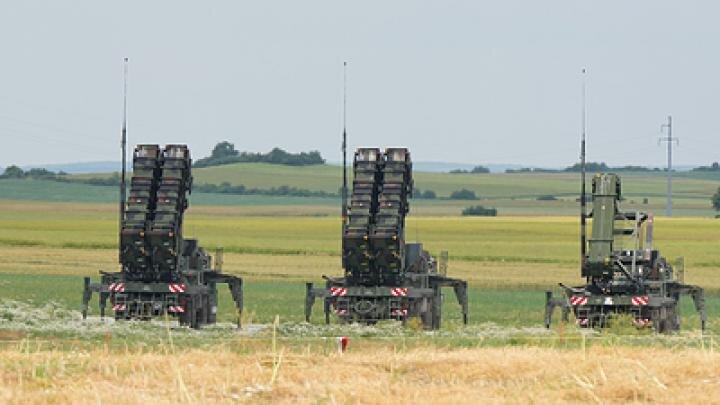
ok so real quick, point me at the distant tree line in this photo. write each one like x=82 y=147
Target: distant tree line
x=476 y=169
x=462 y=194
x=603 y=167
x=592 y=167
x=227 y=188
x=714 y=167
x=531 y=170
x=225 y=153
x=15 y=172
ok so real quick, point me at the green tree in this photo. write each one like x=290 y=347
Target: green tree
x=13 y=172
x=592 y=167
x=480 y=169
x=224 y=149
x=716 y=200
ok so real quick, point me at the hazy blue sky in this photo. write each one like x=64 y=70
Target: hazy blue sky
x=459 y=81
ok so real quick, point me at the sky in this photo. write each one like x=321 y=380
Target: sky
x=455 y=81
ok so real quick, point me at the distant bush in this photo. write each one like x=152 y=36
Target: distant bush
x=463 y=194
x=716 y=200
x=225 y=153
x=479 y=210
x=546 y=198
x=476 y=169
x=429 y=195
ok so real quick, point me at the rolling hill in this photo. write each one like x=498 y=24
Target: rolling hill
x=512 y=194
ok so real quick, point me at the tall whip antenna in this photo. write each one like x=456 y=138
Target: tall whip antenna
x=583 y=216
x=344 y=148
x=123 y=143
x=669 y=139
x=344 y=209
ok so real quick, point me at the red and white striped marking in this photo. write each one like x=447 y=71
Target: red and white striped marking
x=399 y=312
x=342 y=311
x=641 y=322
x=640 y=300
x=399 y=292
x=338 y=291
x=117 y=287
x=582 y=321
x=578 y=300
x=176 y=288
x=176 y=309
x=118 y=307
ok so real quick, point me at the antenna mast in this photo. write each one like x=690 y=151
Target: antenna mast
x=344 y=148
x=583 y=216
x=123 y=143
x=669 y=141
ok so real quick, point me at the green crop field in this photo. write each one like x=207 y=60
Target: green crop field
x=45 y=249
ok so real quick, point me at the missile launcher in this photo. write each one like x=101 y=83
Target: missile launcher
x=161 y=272
x=385 y=277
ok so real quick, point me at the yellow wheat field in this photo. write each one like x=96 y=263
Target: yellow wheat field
x=363 y=375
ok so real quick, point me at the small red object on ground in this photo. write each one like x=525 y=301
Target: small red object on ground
x=342 y=343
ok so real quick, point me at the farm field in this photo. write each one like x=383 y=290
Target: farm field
x=327 y=178
x=506 y=260
x=48 y=354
